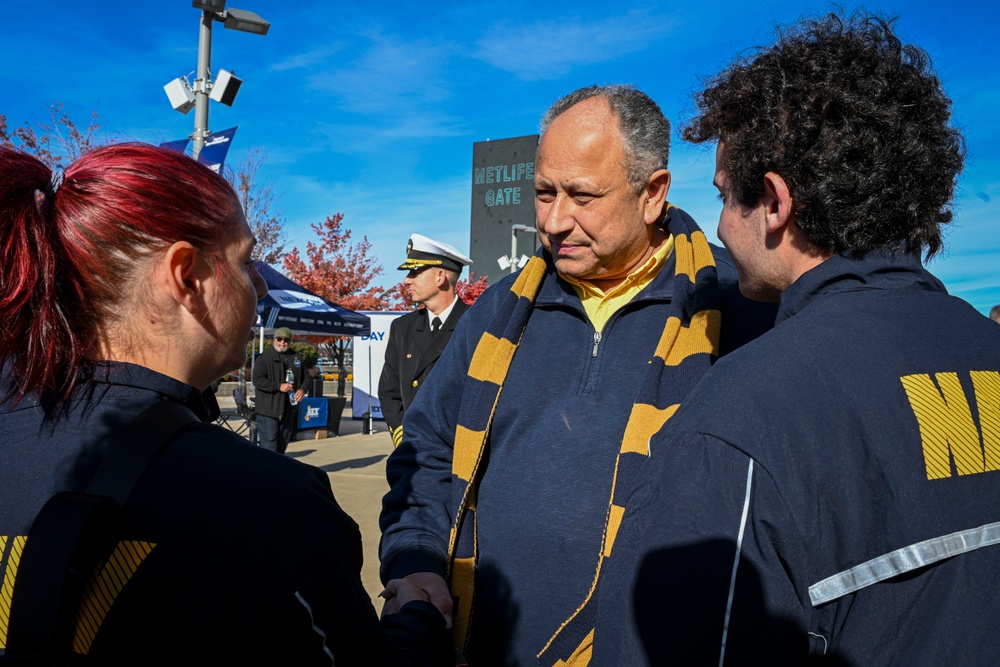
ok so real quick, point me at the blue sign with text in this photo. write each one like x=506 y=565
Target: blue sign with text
x=314 y=413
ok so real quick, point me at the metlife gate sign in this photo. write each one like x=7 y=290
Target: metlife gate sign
x=503 y=192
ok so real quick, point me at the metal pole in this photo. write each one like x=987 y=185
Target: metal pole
x=201 y=83
x=371 y=419
x=513 y=250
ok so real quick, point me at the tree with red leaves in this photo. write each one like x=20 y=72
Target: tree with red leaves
x=399 y=298
x=339 y=271
x=469 y=290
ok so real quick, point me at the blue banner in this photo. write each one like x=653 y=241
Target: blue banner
x=213 y=153
x=179 y=146
x=313 y=413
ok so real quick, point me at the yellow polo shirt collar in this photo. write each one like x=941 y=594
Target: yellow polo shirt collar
x=600 y=306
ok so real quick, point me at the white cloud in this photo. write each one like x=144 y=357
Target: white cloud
x=303 y=60
x=549 y=49
x=360 y=138
x=391 y=75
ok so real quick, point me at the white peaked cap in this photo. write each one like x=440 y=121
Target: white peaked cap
x=422 y=251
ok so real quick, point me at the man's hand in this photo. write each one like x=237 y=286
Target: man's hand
x=418 y=586
x=299 y=395
x=284 y=387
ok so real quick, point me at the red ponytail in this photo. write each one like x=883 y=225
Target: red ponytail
x=72 y=252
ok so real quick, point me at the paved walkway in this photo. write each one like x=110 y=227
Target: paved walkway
x=355 y=463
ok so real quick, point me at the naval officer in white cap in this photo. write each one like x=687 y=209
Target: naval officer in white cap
x=417 y=339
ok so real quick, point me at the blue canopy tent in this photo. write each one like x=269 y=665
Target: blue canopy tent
x=288 y=304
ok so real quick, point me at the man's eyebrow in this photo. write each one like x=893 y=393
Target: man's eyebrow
x=579 y=183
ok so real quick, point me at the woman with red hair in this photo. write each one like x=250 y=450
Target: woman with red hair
x=128 y=281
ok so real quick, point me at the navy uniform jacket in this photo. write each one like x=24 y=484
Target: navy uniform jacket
x=409 y=357
x=233 y=554
x=832 y=488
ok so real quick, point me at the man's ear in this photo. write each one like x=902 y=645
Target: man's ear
x=656 y=190
x=184 y=277
x=777 y=201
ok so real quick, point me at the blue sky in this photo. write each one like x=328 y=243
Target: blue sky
x=371 y=108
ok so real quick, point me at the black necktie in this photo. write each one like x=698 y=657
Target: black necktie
x=435 y=325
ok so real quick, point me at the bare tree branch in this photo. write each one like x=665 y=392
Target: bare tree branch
x=258 y=199
x=57 y=142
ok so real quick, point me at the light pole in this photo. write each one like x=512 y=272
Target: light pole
x=514 y=262
x=183 y=95
x=202 y=82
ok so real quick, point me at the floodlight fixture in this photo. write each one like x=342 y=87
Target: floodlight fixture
x=184 y=95
x=507 y=263
x=245 y=21
x=209 y=5
x=515 y=262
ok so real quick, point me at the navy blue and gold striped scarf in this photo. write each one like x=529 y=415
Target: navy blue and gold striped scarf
x=686 y=348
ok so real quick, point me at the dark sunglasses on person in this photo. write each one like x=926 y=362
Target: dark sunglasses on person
x=283 y=340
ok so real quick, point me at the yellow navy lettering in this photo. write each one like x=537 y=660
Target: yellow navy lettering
x=949 y=431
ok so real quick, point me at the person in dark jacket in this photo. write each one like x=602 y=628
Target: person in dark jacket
x=130 y=282
x=417 y=339
x=830 y=492
x=274 y=395
x=507 y=486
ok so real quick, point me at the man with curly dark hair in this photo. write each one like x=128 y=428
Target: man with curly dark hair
x=830 y=491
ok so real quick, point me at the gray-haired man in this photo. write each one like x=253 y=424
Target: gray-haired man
x=506 y=482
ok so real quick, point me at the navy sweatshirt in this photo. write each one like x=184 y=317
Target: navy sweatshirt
x=830 y=489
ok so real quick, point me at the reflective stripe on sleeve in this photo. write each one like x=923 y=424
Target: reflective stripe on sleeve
x=901 y=561
x=315 y=628
x=736 y=563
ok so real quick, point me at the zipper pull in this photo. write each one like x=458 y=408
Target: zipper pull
x=597 y=341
